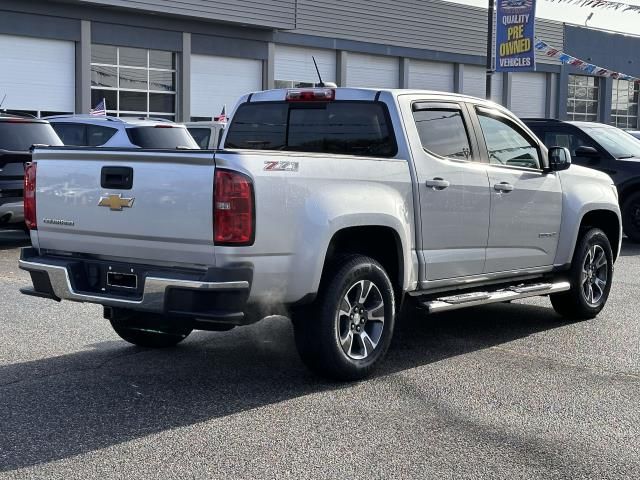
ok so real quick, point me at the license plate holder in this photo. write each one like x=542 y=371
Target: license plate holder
x=122 y=280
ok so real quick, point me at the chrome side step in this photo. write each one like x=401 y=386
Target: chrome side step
x=507 y=294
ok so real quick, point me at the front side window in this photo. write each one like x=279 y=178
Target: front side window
x=134 y=81
x=344 y=127
x=443 y=132
x=624 y=104
x=506 y=145
x=71 y=133
x=582 y=98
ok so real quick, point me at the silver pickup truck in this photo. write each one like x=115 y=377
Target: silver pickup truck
x=336 y=206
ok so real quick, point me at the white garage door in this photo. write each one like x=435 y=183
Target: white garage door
x=294 y=65
x=528 y=94
x=431 y=75
x=496 y=87
x=37 y=75
x=373 y=71
x=474 y=81
x=219 y=81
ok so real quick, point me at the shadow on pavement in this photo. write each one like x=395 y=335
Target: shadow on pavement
x=63 y=406
x=629 y=248
x=10 y=239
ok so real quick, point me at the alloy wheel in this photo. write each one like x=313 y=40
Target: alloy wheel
x=594 y=274
x=360 y=320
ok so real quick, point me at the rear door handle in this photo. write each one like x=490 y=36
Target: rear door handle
x=437 y=183
x=503 y=187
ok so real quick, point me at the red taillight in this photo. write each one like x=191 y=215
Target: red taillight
x=30 y=196
x=311 y=95
x=233 y=209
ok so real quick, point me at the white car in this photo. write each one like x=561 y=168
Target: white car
x=206 y=134
x=92 y=131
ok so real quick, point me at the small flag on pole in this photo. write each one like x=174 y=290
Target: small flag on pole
x=223 y=115
x=100 y=110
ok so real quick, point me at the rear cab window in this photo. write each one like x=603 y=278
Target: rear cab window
x=161 y=136
x=361 y=128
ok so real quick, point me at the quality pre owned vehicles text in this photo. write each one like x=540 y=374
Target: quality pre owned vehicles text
x=336 y=206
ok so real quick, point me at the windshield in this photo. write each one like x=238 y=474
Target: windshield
x=161 y=136
x=615 y=141
x=20 y=135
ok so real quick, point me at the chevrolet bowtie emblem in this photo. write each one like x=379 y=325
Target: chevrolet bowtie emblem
x=116 y=202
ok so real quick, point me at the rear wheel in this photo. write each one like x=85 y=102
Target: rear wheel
x=631 y=217
x=590 y=276
x=345 y=334
x=150 y=331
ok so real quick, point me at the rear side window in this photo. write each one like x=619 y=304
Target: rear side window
x=98 y=135
x=161 y=136
x=20 y=136
x=443 y=132
x=201 y=136
x=71 y=133
x=343 y=127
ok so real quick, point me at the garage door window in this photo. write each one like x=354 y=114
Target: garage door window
x=582 y=100
x=624 y=104
x=134 y=81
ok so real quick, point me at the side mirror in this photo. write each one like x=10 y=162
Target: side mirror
x=587 y=152
x=559 y=158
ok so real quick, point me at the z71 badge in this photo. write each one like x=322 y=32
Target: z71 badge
x=281 y=166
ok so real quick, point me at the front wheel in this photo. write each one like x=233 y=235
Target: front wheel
x=631 y=217
x=591 y=274
x=150 y=331
x=345 y=334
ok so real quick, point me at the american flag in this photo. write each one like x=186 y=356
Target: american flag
x=100 y=110
x=223 y=115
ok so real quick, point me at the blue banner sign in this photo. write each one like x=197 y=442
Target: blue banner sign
x=515 y=32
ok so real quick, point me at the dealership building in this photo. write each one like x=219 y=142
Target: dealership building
x=184 y=60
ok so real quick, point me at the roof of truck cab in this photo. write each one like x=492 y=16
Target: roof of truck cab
x=367 y=94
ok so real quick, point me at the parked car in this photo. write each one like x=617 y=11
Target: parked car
x=17 y=135
x=101 y=131
x=206 y=134
x=334 y=205
x=634 y=133
x=605 y=148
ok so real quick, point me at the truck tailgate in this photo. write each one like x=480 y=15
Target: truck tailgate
x=164 y=216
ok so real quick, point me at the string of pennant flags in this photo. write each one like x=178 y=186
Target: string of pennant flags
x=602 y=4
x=549 y=51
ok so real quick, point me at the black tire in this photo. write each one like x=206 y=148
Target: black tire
x=321 y=331
x=575 y=303
x=631 y=217
x=150 y=331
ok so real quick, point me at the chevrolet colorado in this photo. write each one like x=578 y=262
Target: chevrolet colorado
x=335 y=205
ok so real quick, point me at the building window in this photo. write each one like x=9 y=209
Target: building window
x=624 y=104
x=133 y=81
x=582 y=100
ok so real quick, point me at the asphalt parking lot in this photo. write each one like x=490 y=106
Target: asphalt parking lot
x=505 y=391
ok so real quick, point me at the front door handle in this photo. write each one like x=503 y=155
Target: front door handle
x=503 y=187
x=437 y=183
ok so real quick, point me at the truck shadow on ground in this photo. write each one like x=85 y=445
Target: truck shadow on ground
x=11 y=239
x=629 y=248
x=112 y=393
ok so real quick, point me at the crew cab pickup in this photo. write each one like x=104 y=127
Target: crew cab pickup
x=336 y=206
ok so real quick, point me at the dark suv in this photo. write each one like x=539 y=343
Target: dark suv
x=605 y=148
x=17 y=135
